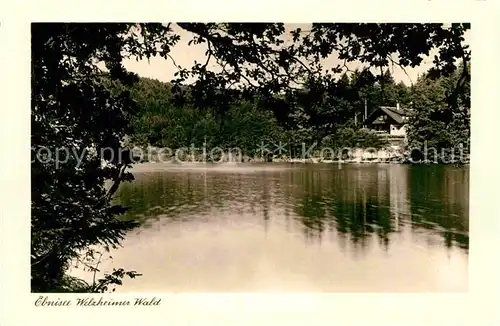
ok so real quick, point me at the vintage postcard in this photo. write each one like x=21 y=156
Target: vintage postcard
x=172 y=160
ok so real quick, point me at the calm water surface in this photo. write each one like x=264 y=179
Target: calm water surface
x=283 y=227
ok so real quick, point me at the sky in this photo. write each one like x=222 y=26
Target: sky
x=185 y=56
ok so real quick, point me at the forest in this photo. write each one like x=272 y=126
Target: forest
x=336 y=121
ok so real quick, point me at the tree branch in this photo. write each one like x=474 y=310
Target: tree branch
x=116 y=182
x=402 y=68
x=173 y=61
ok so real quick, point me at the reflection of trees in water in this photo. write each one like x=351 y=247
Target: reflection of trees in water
x=362 y=201
x=343 y=200
x=156 y=194
x=173 y=195
x=440 y=201
x=355 y=202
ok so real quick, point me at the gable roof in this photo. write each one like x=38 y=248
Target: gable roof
x=394 y=113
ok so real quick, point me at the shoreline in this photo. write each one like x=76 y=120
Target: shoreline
x=149 y=166
x=383 y=156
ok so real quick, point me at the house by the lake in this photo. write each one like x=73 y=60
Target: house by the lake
x=389 y=119
x=390 y=122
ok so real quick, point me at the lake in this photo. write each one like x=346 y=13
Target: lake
x=284 y=227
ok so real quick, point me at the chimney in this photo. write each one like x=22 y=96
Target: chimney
x=397 y=106
x=366 y=110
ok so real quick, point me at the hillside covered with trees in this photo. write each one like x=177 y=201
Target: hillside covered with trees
x=336 y=120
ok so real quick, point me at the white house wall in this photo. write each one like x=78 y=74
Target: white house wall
x=398 y=130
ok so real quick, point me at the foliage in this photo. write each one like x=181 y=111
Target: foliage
x=351 y=137
x=247 y=123
x=308 y=102
x=71 y=110
x=442 y=128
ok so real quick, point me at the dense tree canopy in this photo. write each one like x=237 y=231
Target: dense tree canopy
x=265 y=87
x=436 y=124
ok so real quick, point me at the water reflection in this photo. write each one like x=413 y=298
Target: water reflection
x=406 y=212
x=354 y=201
